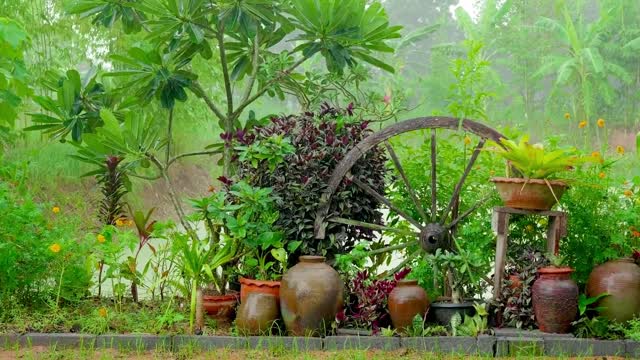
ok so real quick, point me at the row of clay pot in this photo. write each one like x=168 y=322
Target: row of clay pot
x=555 y=294
x=309 y=297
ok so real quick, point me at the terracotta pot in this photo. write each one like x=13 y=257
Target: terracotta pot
x=406 y=301
x=532 y=194
x=257 y=313
x=221 y=307
x=248 y=286
x=310 y=296
x=555 y=299
x=442 y=312
x=621 y=280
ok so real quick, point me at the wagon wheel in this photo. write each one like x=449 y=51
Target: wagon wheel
x=435 y=228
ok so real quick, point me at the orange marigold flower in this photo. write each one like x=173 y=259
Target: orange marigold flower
x=101 y=238
x=102 y=312
x=600 y=123
x=211 y=188
x=620 y=149
x=635 y=233
x=55 y=248
x=467 y=140
x=602 y=175
x=567 y=116
x=55 y=209
x=582 y=124
x=628 y=193
x=595 y=154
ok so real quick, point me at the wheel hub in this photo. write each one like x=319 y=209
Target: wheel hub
x=434 y=236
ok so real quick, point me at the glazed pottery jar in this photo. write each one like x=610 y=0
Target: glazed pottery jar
x=406 y=301
x=257 y=313
x=555 y=299
x=621 y=280
x=248 y=286
x=310 y=296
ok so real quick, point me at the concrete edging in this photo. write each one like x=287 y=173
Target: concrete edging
x=486 y=345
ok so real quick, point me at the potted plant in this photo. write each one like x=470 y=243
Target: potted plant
x=461 y=271
x=535 y=185
x=555 y=297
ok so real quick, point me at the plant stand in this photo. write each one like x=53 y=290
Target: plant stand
x=500 y=223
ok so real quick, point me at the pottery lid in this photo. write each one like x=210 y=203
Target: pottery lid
x=311 y=259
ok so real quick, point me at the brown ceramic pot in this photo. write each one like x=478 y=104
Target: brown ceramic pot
x=310 y=297
x=248 y=286
x=621 y=280
x=257 y=313
x=532 y=194
x=555 y=299
x=406 y=301
x=221 y=307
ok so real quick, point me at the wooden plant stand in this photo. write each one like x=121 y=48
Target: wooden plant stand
x=500 y=223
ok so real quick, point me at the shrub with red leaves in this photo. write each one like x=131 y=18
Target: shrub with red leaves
x=366 y=305
x=321 y=141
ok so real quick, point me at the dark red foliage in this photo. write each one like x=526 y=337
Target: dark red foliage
x=320 y=144
x=366 y=305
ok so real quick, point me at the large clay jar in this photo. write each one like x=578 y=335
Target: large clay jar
x=310 y=297
x=406 y=301
x=248 y=286
x=621 y=280
x=257 y=313
x=555 y=299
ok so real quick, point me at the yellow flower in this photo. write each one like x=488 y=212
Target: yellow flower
x=55 y=209
x=121 y=222
x=628 y=193
x=567 y=116
x=467 y=140
x=595 y=154
x=102 y=312
x=602 y=175
x=129 y=222
x=600 y=123
x=620 y=150
x=101 y=238
x=582 y=124
x=55 y=247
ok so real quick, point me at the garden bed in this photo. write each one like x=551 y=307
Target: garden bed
x=527 y=343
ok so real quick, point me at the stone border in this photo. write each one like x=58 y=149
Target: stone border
x=485 y=345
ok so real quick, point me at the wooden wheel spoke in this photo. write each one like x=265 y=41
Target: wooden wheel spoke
x=372 y=226
x=434 y=201
x=392 y=248
x=468 y=212
x=388 y=203
x=458 y=188
x=412 y=193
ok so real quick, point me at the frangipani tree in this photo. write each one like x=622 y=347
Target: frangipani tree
x=247 y=39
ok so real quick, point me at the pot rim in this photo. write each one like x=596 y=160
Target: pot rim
x=444 y=304
x=220 y=298
x=259 y=283
x=409 y=282
x=514 y=180
x=312 y=259
x=555 y=270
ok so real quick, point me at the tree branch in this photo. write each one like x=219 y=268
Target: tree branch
x=208 y=101
x=169 y=133
x=225 y=70
x=193 y=154
x=151 y=178
x=260 y=92
x=254 y=71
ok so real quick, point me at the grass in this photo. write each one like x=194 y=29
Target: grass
x=229 y=354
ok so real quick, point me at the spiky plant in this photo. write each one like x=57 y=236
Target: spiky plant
x=113 y=187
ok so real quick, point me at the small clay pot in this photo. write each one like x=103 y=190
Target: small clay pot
x=532 y=194
x=406 y=301
x=257 y=313
x=621 y=280
x=555 y=299
x=248 y=286
x=310 y=297
x=221 y=307
x=516 y=283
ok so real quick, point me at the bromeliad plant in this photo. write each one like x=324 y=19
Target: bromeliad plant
x=532 y=161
